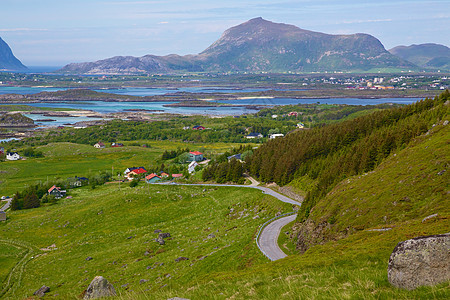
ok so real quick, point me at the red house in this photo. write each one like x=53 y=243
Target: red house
x=198 y=127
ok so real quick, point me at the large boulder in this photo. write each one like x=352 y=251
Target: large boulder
x=99 y=287
x=420 y=261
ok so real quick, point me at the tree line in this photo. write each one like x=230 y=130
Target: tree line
x=331 y=153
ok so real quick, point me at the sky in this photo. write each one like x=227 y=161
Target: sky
x=58 y=32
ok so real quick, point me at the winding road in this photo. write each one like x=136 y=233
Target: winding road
x=267 y=240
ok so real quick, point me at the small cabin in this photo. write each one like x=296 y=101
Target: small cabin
x=198 y=127
x=195 y=156
x=2 y=215
x=56 y=192
x=99 y=145
x=152 y=178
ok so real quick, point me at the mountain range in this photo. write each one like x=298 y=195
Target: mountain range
x=8 y=62
x=431 y=56
x=259 y=45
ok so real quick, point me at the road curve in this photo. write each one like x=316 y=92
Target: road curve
x=268 y=239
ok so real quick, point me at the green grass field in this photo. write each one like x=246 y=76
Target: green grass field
x=63 y=160
x=116 y=228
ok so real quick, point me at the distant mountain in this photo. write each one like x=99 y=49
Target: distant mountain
x=262 y=46
x=432 y=56
x=8 y=62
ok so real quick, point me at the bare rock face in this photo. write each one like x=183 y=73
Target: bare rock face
x=99 y=287
x=420 y=261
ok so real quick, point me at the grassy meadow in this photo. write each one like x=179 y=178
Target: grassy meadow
x=63 y=160
x=213 y=227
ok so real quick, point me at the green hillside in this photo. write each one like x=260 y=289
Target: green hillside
x=213 y=227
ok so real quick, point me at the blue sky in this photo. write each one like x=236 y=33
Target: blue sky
x=57 y=32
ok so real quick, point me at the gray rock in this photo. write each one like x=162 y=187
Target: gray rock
x=211 y=236
x=142 y=281
x=177 y=298
x=89 y=258
x=157 y=231
x=421 y=261
x=99 y=287
x=160 y=240
x=164 y=235
x=181 y=258
x=41 y=292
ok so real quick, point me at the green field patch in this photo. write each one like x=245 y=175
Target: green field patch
x=213 y=227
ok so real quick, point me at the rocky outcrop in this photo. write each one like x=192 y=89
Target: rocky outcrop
x=41 y=292
x=99 y=287
x=420 y=261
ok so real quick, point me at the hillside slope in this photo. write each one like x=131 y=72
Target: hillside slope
x=8 y=62
x=433 y=56
x=410 y=184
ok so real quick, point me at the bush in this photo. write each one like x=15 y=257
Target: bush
x=134 y=183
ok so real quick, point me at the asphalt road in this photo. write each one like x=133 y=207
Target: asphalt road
x=268 y=240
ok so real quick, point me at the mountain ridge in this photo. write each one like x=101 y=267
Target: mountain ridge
x=258 y=46
x=429 y=55
x=8 y=62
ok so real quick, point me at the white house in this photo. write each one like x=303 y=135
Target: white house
x=99 y=145
x=12 y=156
x=275 y=135
x=254 y=135
x=191 y=167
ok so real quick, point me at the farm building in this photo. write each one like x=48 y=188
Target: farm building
x=12 y=156
x=254 y=135
x=275 y=135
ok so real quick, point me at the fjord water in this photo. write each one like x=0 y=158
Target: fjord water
x=132 y=91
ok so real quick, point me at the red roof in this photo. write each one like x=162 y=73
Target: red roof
x=177 y=175
x=153 y=175
x=164 y=174
x=54 y=187
x=196 y=153
x=139 y=171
